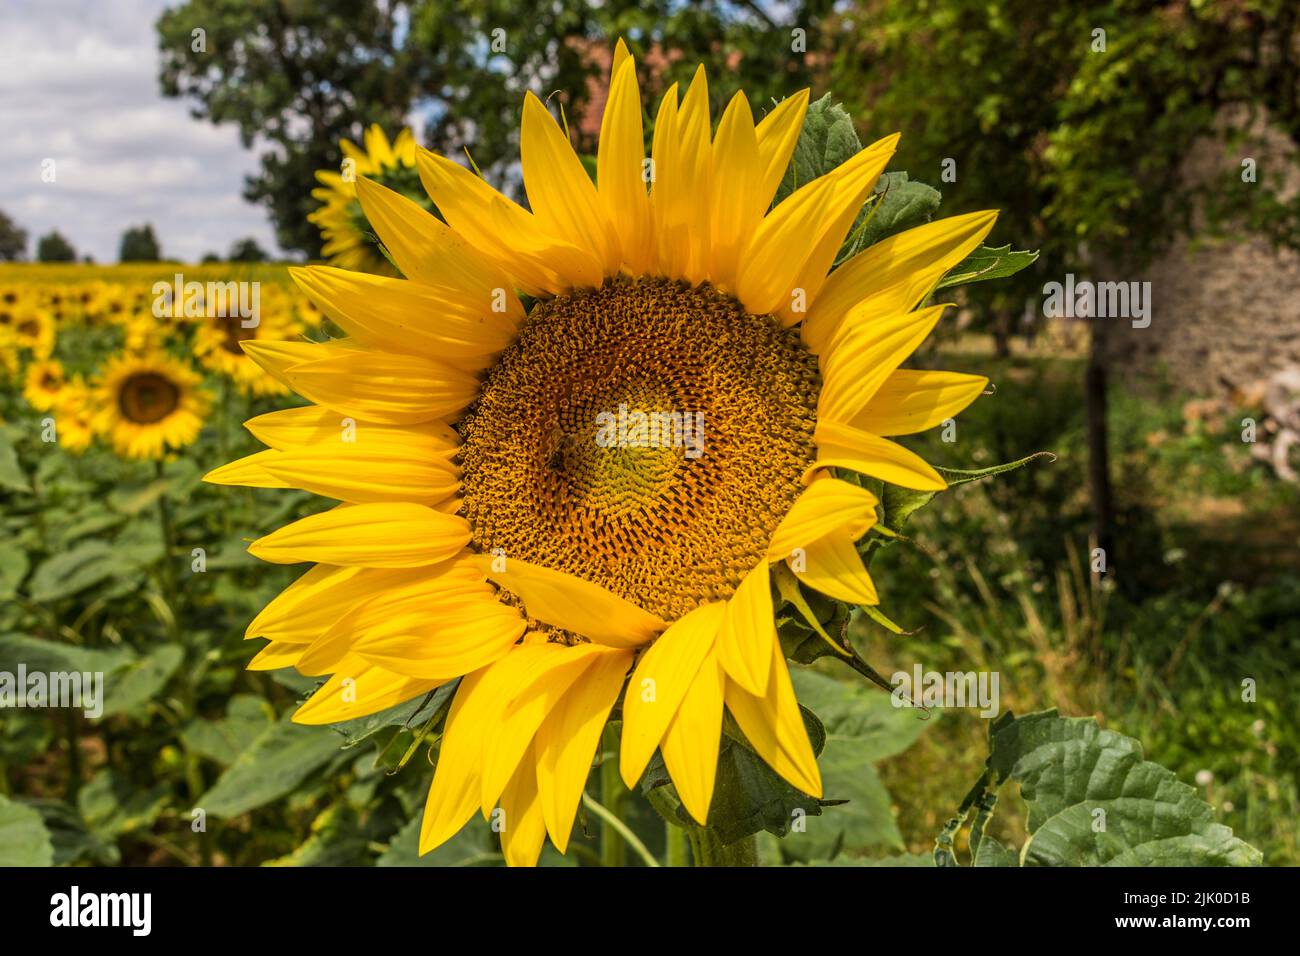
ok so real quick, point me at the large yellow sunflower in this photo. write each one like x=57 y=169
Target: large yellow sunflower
x=492 y=526
x=342 y=223
x=148 y=404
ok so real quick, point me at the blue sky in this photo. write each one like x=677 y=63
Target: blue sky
x=80 y=86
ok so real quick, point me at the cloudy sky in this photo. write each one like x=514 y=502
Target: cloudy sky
x=80 y=86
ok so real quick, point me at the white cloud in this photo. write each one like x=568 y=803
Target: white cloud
x=80 y=86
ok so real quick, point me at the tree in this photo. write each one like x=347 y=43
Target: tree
x=139 y=245
x=13 y=239
x=54 y=248
x=298 y=77
x=1074 y=120
x=247 y=250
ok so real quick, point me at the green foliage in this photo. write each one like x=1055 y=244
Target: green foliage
x=1093 y=800
x=24 y=841
x=52 y=247
x=274 y=71
x=139 y=244
x=13 y=239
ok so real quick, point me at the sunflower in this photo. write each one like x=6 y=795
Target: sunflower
x=74 y=415
x=33 y=330
x=218 y=346
x=342 y=224
x=490 y=531
x=44 y=382
x=147 y=404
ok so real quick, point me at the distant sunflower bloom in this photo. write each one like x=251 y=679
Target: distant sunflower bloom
x=44 y=382
x=74 y=416
x=218 y=345
x=34 y=330
x=340 y=219
x=498 y=526
x=148 y=404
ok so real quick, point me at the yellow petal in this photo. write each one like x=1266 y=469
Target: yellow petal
x=312 y=424
x=662 y=677
x=276 y=357
x=777 y=134
x=789 y=250
x=567 y=741
x=507 y=234
x=384 y=387
x=369 y=471
x=664 y=198
x=443 y=645
x=774 y=726
x=833 y=566
x=748 y=630
x=249 y=471
x=545 y=685
x=846 y=203
x=570 y=603
x=684 y=182
x=690 y=745
x=387 y=535
x=397 y=315
x=737 y=200
x=453 y=796
x=428 y=251
x=619 y=165
x=839 y=446
x=357 y=690
x=321 y=597
x=824 y=506
x=523 y=829
x=895 y=274
x=562 y=195
x=274 y=656
x=913 y=401
x=864 y=355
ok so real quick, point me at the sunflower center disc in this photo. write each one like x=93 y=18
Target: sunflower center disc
x=147 y=398
x=646 y=436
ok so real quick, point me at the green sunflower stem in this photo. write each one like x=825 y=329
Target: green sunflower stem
x=708 y=850
x=613 y=850
x=168 y=538
x=678 y=845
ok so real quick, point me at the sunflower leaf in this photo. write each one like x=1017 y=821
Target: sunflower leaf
x=826 y=140
x=988 y=263
x=24 y=841
x=1094 y=800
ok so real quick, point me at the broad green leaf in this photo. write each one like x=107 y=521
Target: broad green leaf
x=24 y=841
x=224 y=740
x=48 y=656
x=11 y=473
x=409 y=714
x=898 y=204
x=988 y=263
x=112 y=806
x=473 y=845
x=72 y=571
x=281 y=758
x=901 y=503
x=337 y=839
x=13 y=568
x=141 y=680
x=1093 y=800
x=826 y=140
